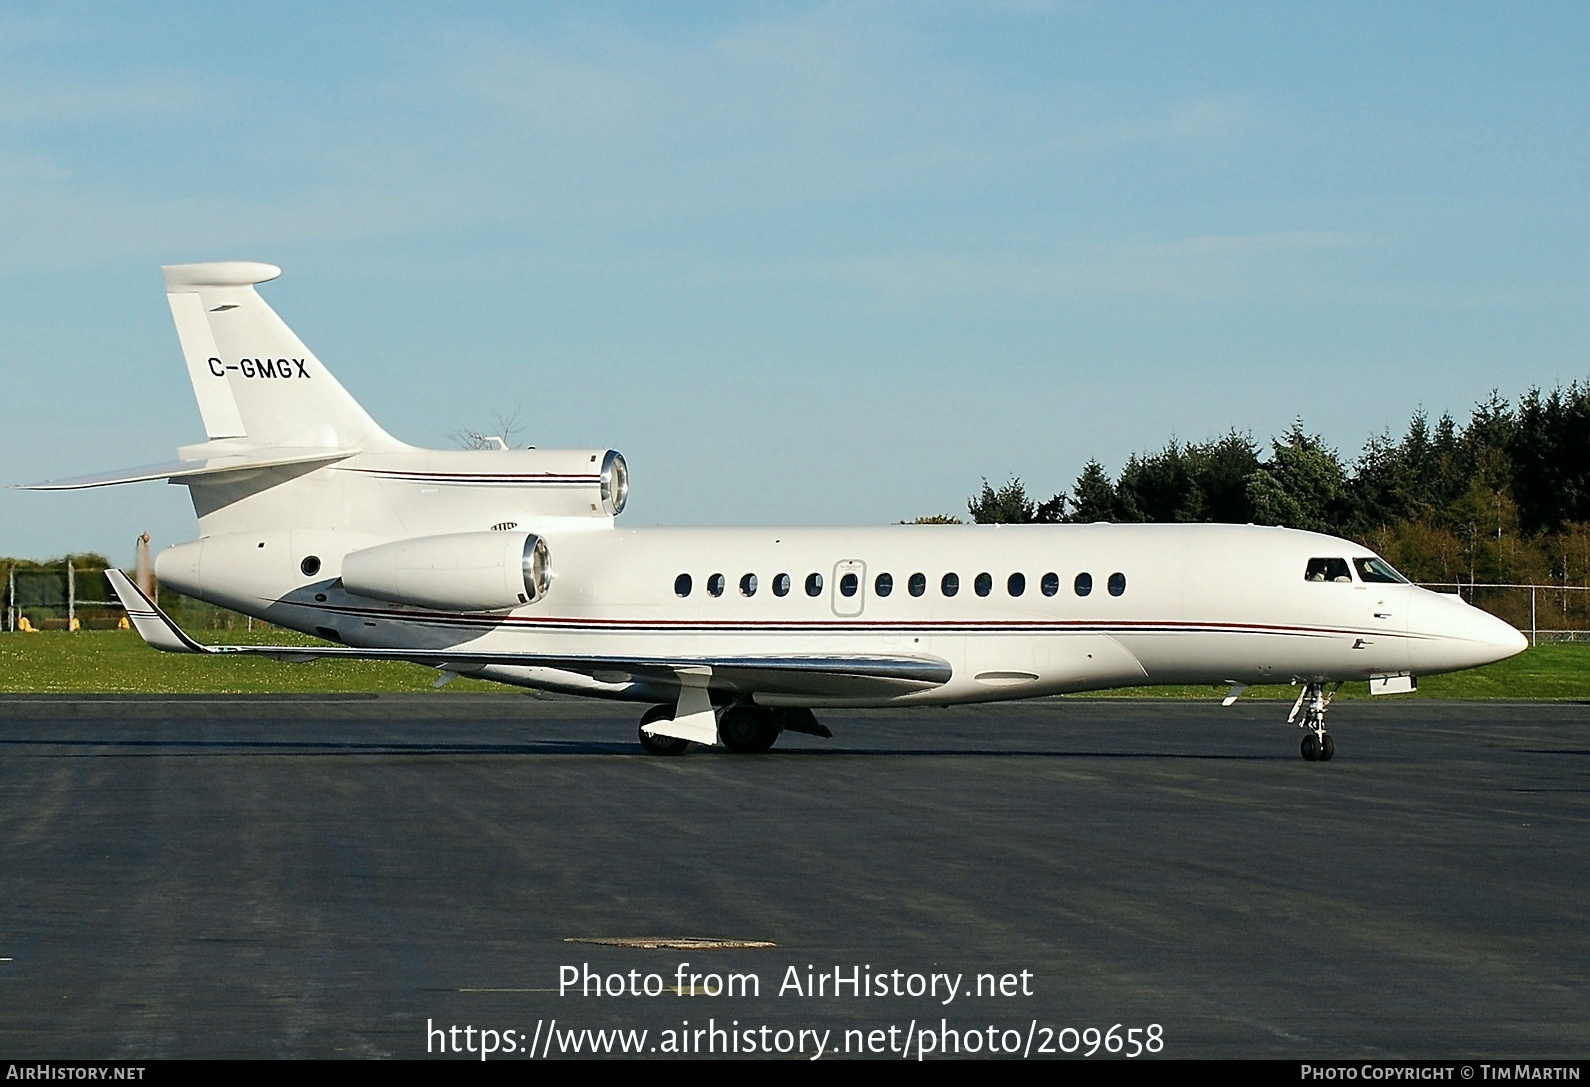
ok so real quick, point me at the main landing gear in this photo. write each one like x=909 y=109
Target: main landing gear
x=1311 y=705
x=744 y=728
x=661 y=745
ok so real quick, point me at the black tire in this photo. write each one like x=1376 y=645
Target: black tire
x=660 y=745
x=747 y=730
x=1310 y=747
x=1327 y=749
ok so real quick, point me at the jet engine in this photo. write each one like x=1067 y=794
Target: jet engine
x=463 y=571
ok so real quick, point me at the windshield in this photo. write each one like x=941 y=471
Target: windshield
x=1373 y=570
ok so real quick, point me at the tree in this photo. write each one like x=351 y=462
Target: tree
x=1093 y=496
x=1302 y=485
x=1157 y=487
x=1007 y=506
x=506 y=428
x=1220 y=468
x=1550 y=454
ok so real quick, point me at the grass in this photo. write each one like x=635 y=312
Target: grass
x=118 y=662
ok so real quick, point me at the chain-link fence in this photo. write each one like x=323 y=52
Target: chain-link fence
x=59 y=596
x=68 y=596
x=1547 y=613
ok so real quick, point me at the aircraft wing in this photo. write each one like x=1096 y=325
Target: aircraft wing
x=847 y=676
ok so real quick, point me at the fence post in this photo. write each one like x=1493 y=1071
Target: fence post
x=71 y=595
x=11 y=599
x=1534 y=631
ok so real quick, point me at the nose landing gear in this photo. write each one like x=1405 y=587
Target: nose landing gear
x=1317 y=744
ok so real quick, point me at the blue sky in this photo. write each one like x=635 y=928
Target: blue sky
x=806 y=263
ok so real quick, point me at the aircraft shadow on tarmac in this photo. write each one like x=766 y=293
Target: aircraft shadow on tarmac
x=179 y=748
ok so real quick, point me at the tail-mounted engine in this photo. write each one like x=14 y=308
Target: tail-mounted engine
x=498 y=484
x=463 y=571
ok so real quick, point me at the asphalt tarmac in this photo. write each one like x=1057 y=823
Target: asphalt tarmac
x=356 y=876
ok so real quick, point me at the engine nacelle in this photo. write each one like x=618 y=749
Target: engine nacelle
x=464 y=571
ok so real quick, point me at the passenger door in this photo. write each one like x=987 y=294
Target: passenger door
x=850 y=588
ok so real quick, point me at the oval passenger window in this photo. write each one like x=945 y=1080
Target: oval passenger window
x=1084 y=584
x=814 y=584
x=883 y=585
x=848 y=585
x=682 y=585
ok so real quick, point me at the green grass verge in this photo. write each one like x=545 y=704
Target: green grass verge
x=1555 y=670
x=118 y=662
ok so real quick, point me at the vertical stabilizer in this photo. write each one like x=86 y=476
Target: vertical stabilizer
x=253 y=377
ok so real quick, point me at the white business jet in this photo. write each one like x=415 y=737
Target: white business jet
x=506 y=564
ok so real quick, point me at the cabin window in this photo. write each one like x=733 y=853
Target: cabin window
x=883 y=585
x=780 y=584
x=1117 y=584
x=1016 y=584
x=950 y=584
x=1378 y=571
x=814 y=584
x=748 y=585
x=917 y=585
x=1327 y=570
x=984 y=584
x=715 y=585
x=682 y=585
x=1051 y=584
x=848 y=584
x=1083 y=584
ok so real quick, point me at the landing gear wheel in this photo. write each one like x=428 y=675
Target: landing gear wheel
x=747 y=730
x=1309 y=714
x=660 y=745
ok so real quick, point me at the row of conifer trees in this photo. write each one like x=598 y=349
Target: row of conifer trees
x=1503 y=497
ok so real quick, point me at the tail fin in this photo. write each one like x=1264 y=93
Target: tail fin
x=253 y=377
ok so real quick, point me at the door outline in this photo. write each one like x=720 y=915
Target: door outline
x=848 y=607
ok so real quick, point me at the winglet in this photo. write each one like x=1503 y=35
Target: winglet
x=152 y=624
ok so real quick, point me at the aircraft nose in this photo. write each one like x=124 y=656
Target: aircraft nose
x=1450 y=635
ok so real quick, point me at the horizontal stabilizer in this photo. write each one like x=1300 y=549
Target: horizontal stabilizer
x=205 y=470
x=858 y=677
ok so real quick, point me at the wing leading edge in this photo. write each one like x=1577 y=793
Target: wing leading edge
x=871 y=676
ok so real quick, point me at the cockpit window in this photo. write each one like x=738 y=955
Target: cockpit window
x=1327 y=570
x=1373 y=570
